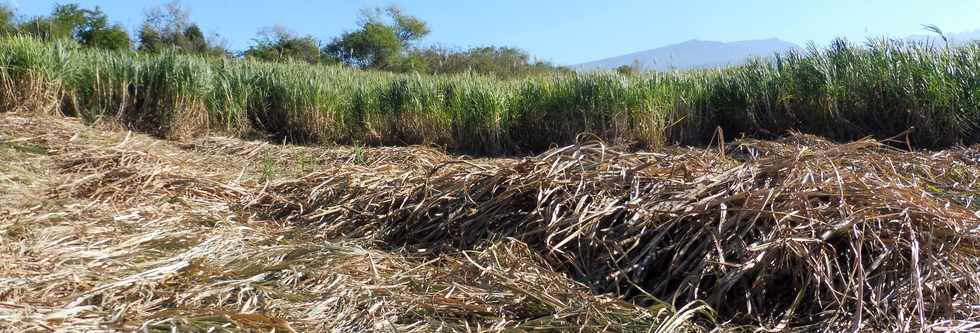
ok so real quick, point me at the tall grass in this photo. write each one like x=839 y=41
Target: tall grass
x=844 y=91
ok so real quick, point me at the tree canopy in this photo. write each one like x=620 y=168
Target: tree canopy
x=385 y=39
x=169 y=28
x=278 y=44
x=380 y=41
x=90 y=27
x=8 y=20
x=489 y=60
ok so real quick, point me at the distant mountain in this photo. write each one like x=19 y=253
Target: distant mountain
x=956 y=38
x=699 y=53
x=693 y=54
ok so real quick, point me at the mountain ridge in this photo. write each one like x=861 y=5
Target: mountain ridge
x=693 y=53
x=697 y=53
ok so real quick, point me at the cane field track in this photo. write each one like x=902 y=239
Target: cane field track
x=825 y=190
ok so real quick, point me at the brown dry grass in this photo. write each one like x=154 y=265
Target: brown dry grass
x=114 y=231
x=797 y=233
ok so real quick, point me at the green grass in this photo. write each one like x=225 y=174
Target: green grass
x=270 y=166
x=844 y=92
x=24 y=147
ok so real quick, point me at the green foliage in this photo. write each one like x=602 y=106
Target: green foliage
x=89 y=27
x=270 y=166
x=24 y=147
x=625 y=70
x=378 y=43
x=304 y=163
x=37 y=27
x=412 y=63
x=67 y=21
x=358 y=154
x=373 y=46
x=504 y=62
x=409 y=28
x=277 y=44
x=8 y=20
x=384 y=40
x=112 y=38
x=95 y=31
x=168 y=28
x=843 y=92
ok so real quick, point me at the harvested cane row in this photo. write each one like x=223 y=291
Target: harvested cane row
x=800 y=233
x=256 y=150
x=794 y=233
x=127 y=233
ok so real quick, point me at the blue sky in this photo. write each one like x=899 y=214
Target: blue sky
x=570 y=31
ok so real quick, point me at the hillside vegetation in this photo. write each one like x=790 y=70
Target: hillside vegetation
x=843 y=92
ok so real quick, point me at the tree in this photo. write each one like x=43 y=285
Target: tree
x=95 y=31
x=169 y=28
x=412 y=63
x=8 y=20
x=70 y=21
x=67 y=21
x=278 y=44
x=163 y=27
x=505 y=62
x=625 y=70
x=37 y=27
x=635 y=68
x=381 y=40
x=110 y=38
x=63 y=22
x=409 y=28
